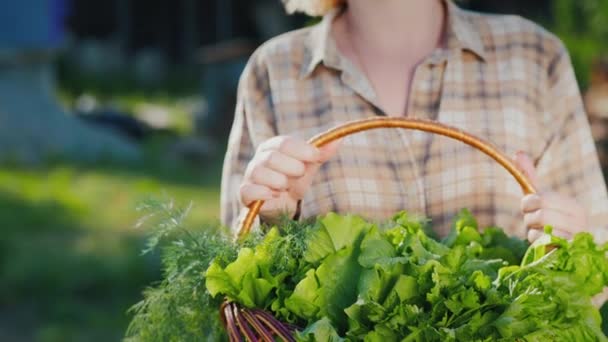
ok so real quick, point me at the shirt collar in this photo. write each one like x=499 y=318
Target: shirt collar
x=461 y=34
x=321 y=46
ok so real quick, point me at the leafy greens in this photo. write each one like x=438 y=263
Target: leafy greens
x=344 y=279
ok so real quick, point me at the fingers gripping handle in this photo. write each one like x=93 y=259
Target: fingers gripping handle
x=404 y=123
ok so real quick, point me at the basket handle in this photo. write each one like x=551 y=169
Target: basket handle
x=406 y=123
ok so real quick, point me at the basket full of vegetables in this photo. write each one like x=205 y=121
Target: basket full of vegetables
x=342 y=278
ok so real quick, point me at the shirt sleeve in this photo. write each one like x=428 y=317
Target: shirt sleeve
x=253 y=124
x=569 y=164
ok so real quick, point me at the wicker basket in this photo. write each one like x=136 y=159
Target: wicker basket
x=255 y=324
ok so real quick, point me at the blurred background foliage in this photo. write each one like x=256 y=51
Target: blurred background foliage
x=161 y=76
x=583 y=26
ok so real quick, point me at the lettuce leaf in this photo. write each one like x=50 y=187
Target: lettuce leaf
x=351 y=280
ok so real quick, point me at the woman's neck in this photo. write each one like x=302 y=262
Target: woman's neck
x=393 y=28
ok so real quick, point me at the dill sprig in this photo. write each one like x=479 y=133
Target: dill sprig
x=179 y=308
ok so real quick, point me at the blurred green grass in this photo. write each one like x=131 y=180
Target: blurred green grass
x=70 y=258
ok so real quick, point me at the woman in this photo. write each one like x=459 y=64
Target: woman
x=499 y=77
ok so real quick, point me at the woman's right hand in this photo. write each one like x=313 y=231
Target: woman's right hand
x=280 y=173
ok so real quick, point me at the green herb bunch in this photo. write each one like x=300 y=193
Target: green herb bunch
x=180 y=308
x=342 y=278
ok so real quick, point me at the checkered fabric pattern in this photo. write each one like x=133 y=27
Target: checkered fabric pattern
x=499 y=77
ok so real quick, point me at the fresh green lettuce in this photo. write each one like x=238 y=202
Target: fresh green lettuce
x=352 y=280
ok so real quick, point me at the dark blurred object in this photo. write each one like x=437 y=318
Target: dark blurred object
x=177 y=28
x=34 y=126
x=223 y=61
x=193 y=150
x=146 y=121
x=226 y=51
x=526 y=8
x=596 y=102
x=222 y=65
x=120 y=123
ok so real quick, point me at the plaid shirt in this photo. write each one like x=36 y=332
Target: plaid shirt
x=499 y=77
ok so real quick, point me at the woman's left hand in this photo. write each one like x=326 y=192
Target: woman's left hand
x=563 y=213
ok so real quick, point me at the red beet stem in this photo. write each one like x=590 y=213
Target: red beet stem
x=233 y=330
x=275 y=325
x=257 y=326
x=242 y=323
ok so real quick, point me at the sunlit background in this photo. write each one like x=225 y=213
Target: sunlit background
x=105 y=103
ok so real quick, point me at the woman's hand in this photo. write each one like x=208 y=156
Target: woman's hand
x=563 y=213
x=280 y=173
